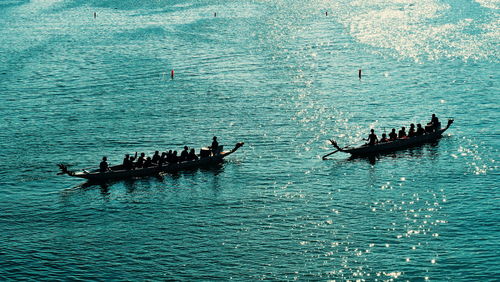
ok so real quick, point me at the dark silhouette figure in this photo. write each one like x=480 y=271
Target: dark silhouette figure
x=163 y=159
x=156 y=157
x=192 y=156
x=393 y=136
x=148 y=162
x=184 y=154
x=434 y=124
x=215 y=145
x=103 y=166
x=169 y=156
x=411 y=132
x=140 y=160
x=372 y=138
x=384 y=138
x=126 y=159
x=420 y=130
x=174 y=158
x=132 y=162
x=402 y=133
x=128 y=163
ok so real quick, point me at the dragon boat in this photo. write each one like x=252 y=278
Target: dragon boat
x=398 y=144
x=119 y=172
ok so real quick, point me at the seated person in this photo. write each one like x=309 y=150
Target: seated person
x=156 y=157
x=411 y=132
x=184 y=154
x=372 y=138
x=420 y=130
x=163 y=159
x=132 y=163
x=169 y=156
x=192 y=156
x=140 y=160
x=402 y=133
x=174 y=158
x=393 y=136
x=148 y=162
x=126 y=160
x=103 y=166
x=384 y=138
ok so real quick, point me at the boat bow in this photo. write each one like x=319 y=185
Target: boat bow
x=236 y=147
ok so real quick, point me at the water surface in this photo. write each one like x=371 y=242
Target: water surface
x=280 y=75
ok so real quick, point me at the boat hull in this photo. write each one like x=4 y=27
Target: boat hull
x=118 y=172
x=399 y=144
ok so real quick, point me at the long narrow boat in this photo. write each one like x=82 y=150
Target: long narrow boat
x=118 y=172
x=399 y=144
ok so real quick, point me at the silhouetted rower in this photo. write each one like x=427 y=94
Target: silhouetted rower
x=420 y=130
x=384 y=138
x=174 y=158
x=411 y=132
x=169 y=156
x=402 y=133
x=148 y=162
x=184 y=154
x=393 y=135
x=140 y=160
x=127 y=162
x=156 y=157
x=372 y=138
x=192 y=156
x=163 y=159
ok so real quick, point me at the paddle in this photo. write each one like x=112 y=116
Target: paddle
x=334 y=144
x=324 y=157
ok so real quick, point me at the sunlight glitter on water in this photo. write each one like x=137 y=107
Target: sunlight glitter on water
x=281 y=76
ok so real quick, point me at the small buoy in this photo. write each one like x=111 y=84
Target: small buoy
x=359 y=73
x=172 y=74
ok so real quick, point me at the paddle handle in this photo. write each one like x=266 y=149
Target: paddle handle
x=324 y=157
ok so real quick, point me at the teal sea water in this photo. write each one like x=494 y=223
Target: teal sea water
x=282 y=76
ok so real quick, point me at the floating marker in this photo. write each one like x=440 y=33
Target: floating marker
x=172 y=74
x=359 y=73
